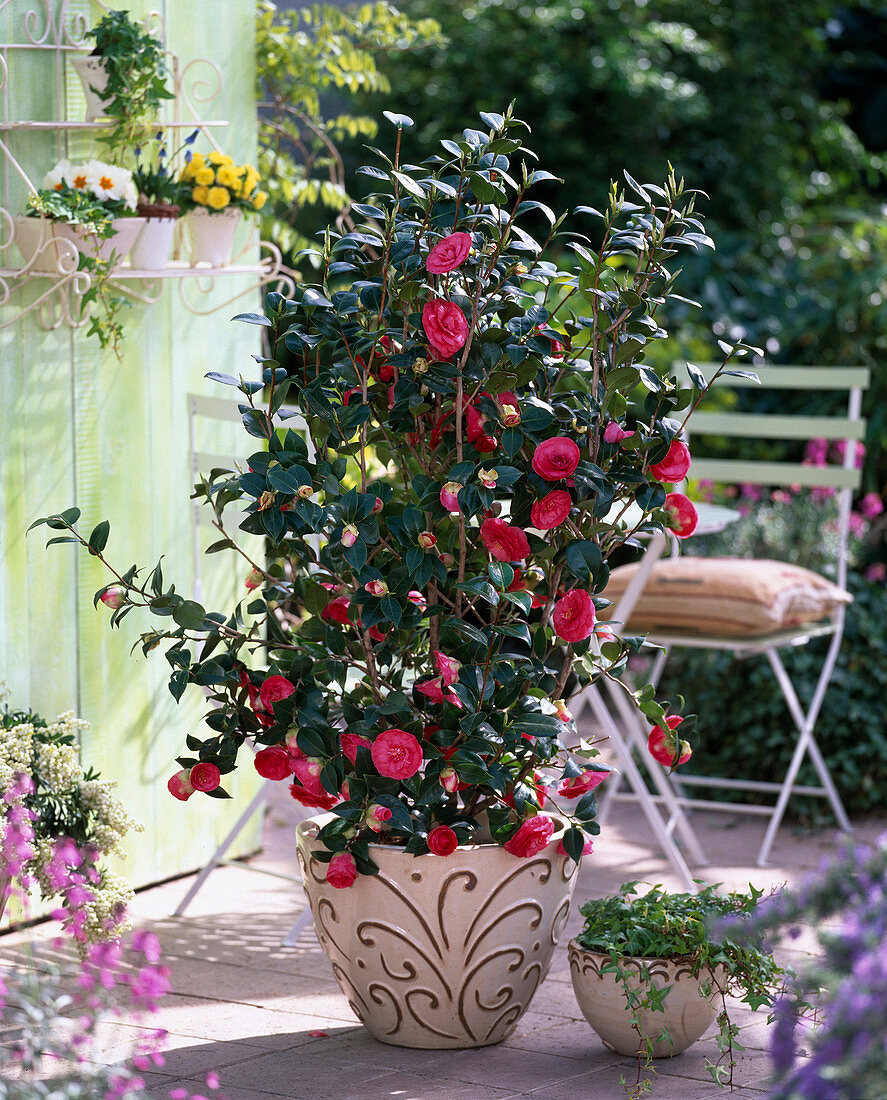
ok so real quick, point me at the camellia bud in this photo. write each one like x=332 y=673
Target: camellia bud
x=376 y=588
x=416 y=597
x=253 y=579
x=349 y=535
x=420 y=366
x=510 y=416
x=305 y=491
x=449 y=497
x=378 y=506
x=449 y=780
x=113 y=597
x=521 y=269
x=561 y=711
x=426 y=540
x=266 y=500
x=376 y=816
x=448 y=560
x=488 y=478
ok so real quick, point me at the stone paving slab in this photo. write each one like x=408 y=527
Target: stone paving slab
x=246 y=1006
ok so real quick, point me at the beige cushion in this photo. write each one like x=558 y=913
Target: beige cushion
x=732 y=597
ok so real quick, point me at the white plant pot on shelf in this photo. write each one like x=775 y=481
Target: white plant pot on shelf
x=45 y=245
x=211 y=234
x=93 y=76
x=153 y=245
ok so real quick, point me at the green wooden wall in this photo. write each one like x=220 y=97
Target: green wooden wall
x=79 y=427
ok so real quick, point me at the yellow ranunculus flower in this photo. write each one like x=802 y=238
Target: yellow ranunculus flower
x=260 y=200
x=220 y=158
x=227 y=176
x=200 y=194
x=206 y=177
x=197 y=161
x=218 y=198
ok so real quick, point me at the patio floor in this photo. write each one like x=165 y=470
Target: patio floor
x=246 y=1007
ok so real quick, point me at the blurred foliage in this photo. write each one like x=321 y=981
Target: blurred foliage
x=746 y=100
x=319 y=53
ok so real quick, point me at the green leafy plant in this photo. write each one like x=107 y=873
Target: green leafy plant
x=133 y=60
x=156 y=175
x=424 y=629
x=305 y=58
x=658 y=925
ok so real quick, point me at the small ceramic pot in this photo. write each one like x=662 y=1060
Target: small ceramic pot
x=153 y=245
x=211 y=234
x=687 y=1013
x=94 y=78
x=41 y=240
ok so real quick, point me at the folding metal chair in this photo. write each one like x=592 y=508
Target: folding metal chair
x=849 y=428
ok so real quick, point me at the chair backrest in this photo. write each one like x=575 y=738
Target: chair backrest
x=213 y=445
x=845 y=383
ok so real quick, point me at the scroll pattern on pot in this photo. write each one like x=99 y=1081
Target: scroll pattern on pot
x=433 y=954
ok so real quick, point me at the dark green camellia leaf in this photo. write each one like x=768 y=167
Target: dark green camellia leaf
x=583 y=559
x=403 y=122
x=574 y=842
x=98 y=540
x=188 y=614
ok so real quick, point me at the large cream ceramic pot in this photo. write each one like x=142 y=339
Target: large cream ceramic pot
x=687 y=1013
x=441 y=951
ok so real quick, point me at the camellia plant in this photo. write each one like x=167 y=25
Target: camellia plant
x=438 y=543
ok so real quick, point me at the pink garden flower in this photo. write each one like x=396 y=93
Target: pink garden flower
x=556 y=458
x=871 y=505
x=179 y=785
x=204 y=776
x=273 y=762
x=681 y=513
x=674 y=466
x=376 y=588
x=416 y=597
x=426 y=540
x=663 y=746
x=504 y=542
x=448 y=253
x=442 y=841
x=113 y=597
x=573 y=616
x=613 y=433
x=350 y=534
x=449 y=497
x=376 y=816
x=445 y=326
x=448 y=667
x=579 y=785
x=253 y=579
x=351 y=742
x=531 y=837
x=551 y=510
x=342 y=871
x=396 y=754
x=274 y=689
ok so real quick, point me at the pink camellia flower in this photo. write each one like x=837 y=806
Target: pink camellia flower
x=663 y=746
x=556 y=458
x=376 y=588
x=426 y=540
x=273 y=762
x=876 y=572
x=342 y=871
x=433 y=690
x=448 y=667
x=253 y=579
x=531 y=837
x=573 y=616
x=504 y=542
x=442 y=841
x=179 y=785
x=449 y=497
x=682 y=517
x=581 y=784
x=871 y=505
x=476 y=432
x=396 y=754
x=274 y=689
x=449 y=780
x=487 y=478
x=448 y=253
x=674 y=466
x=350 y=535
x=376 y=816
x=561 y=711
x=614 y=434
x=445 y=326
x=378 y=505
x=416 y=597
x=336 y=611
x=351 y=742
x=551 y=510
x=113 y=597
x=204 y=776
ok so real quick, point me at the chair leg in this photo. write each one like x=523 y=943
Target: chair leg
x=805 y=744
x=645 y=800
